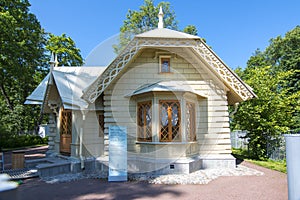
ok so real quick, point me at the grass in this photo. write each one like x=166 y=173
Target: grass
x=267 y=163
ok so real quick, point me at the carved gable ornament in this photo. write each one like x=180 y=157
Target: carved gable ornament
x=162 y=38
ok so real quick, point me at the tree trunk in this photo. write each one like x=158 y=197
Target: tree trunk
x=6 y=97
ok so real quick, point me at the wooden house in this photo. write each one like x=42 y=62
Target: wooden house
x=170 y=91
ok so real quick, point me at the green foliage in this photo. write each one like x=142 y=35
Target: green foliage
x=190 y=29
x=21 y=57
x=284 y=55
x=272 y=77
x=65 y=49
x=15 y=141
x=144 y=20
x=24 y=63
x=262 y=116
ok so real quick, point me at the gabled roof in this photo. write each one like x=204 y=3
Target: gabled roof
x=163 y=37
x=70 y=81
x=37 y=96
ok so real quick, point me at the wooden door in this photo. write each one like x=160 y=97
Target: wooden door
x=65 y=132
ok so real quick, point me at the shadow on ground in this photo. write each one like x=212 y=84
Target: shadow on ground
x=94 y=189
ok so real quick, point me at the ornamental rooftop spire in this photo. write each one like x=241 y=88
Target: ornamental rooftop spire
x=53 y=61
x=160 y=18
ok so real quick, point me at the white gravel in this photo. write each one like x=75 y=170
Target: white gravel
x=203 y=176
x=71 y=177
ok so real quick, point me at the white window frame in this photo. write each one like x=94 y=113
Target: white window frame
x=160 y=63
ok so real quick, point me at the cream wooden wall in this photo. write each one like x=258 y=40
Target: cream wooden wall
x=212 y=112
x=93 y=145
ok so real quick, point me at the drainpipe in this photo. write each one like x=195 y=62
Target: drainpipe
x=80 y=140
x=235 y=109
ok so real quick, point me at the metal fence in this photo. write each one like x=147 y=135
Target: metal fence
x=239 y=140
x=275 y=149
x=277 y=152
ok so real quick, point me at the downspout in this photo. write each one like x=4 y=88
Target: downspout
x=236 y=105
x=80 y=140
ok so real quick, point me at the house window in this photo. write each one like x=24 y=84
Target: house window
x=144 y=121
x=165 y=64
x=190 y=122
x=169 y=121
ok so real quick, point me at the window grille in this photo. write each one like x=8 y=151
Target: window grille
x=144 y=115
x=190 y=122
x=169 y=121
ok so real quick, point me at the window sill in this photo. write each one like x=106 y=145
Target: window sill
x=161 y=143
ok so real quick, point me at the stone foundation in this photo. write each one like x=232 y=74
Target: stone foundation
x=163 y=166
x=136 y=166
x=218 y=161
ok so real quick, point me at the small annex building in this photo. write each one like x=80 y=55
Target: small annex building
x=170 y=91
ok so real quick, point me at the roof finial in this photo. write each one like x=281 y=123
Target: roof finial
x=53 y=60
x=160 y=18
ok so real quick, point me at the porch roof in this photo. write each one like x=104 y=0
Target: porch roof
x=165 y=86
x=70 y=81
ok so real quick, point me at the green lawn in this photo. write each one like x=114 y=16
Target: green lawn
x=270 y=164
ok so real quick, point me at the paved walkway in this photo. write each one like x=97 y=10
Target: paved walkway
x=272 y=185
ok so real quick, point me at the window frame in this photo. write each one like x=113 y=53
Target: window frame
x=170 y=130
x=190 y=130
x=144 y=128
x=161 y=60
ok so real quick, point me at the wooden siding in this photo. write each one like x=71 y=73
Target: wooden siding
x=212 y=112
x=93 y=145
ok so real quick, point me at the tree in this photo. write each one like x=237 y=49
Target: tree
x=190 y=29
x=65 y=49
x=24 y=62
x=284 y=55
x=144 y=20
x=22 y=47
x=267 y=116
x=273 y=74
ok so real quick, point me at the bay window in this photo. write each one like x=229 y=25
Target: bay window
x=162 y=120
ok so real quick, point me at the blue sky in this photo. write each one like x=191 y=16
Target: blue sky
x=233 y=28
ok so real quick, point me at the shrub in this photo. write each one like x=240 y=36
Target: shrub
x=15 y=141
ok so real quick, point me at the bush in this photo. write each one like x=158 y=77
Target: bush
x=15 y=141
